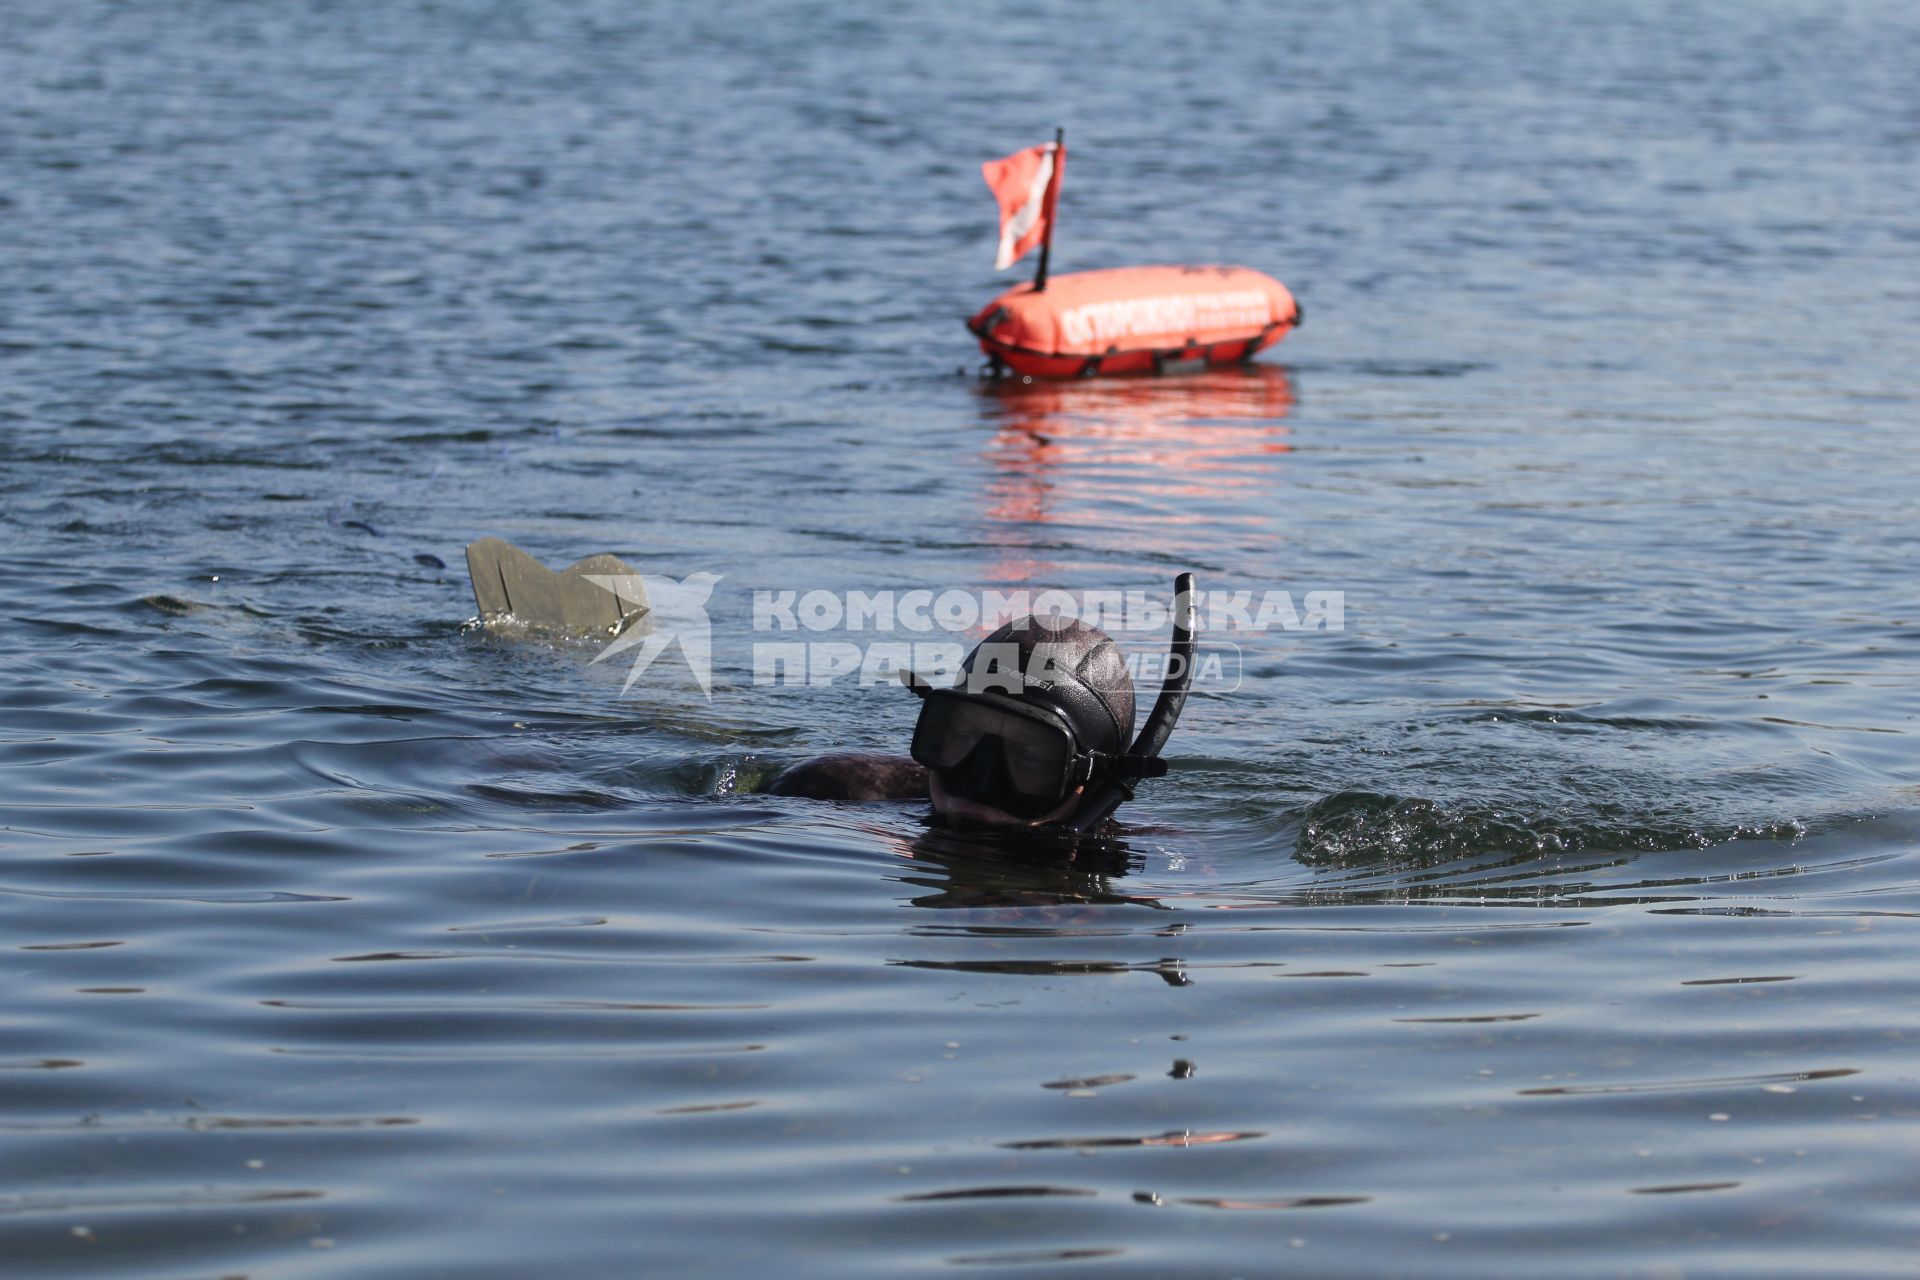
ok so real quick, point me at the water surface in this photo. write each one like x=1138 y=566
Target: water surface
x=1555 y=914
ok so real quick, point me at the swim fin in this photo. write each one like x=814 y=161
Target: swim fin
x=507 y=582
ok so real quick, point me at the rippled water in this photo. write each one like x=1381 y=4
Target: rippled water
x=1556 y=914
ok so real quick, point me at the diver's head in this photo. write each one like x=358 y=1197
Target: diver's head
x=1043 y=708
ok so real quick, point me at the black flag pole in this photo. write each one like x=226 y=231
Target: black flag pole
x=1052 y=198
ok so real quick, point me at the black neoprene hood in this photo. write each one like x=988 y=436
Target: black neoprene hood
x=1072 y=668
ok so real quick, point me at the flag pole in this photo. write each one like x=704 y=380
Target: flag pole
x=1053 y=196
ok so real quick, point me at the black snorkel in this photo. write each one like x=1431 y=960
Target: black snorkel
x=1144 y=755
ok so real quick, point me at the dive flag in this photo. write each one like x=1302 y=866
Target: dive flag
x=1024 y=183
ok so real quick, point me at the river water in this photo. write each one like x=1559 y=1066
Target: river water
x=1554 y=914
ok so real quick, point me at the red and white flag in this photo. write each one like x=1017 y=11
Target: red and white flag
x=1024 y=184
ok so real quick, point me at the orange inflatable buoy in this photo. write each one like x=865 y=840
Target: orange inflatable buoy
x=1135 y=320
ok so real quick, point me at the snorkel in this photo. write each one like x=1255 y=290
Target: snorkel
x=1118 y=786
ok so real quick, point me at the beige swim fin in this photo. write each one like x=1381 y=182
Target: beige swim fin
x=507 y=582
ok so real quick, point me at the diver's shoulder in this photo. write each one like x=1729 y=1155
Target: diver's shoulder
x=853 y=776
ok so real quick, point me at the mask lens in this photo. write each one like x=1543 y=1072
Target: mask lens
x=1037 y=762
x=1014 y=758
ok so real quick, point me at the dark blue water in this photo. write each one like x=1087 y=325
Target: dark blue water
x=1555 y=915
